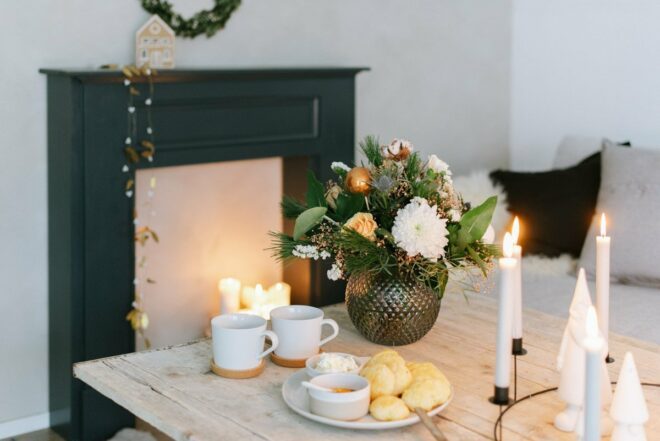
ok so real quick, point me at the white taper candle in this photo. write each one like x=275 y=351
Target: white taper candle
x=593 y=345
x=507 y=266
x=517 y=330
x=603 y=279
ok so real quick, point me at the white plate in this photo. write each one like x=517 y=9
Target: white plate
x=297 y=398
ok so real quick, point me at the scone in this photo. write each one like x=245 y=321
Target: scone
x=425 y=371
x=381 y=379
x=426 y=394
x=386 y=357
x=389 y=408
x=390 y=358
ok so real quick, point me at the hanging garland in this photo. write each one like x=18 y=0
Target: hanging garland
x=203 y=22
x=139 y=147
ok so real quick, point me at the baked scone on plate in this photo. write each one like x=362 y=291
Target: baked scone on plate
x=426 y=393
x=389 y=408
x=395 y=363
x=381 y=379
x=425 y=371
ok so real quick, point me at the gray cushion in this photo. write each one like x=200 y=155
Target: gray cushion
x=630 y=197
x=573 y=149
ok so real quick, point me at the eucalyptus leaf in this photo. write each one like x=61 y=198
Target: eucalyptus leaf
x=348 y=205
x=307 y=220
x=315 y=196
x=475 y=222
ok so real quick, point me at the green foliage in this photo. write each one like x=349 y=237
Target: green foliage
x=475 y=222
x=362 y=255
x=315 y=196
x=283 y=246
x=307 y=220
x=348 y=205
x=371 y=149
x=202 y=22
x=291 y=207
x=413 y=167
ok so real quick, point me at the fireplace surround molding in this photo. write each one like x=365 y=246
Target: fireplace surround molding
x=306 y=116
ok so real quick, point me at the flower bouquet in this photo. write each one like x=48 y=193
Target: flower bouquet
x=394 y=228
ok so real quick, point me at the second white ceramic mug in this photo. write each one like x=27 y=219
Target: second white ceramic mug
x=238 y=341
x=298 y=328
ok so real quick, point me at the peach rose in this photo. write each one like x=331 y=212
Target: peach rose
x=364 y=224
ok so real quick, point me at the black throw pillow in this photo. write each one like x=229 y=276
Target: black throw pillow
x=555 y=207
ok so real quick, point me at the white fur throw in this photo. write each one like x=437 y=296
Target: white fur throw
x=476 y=188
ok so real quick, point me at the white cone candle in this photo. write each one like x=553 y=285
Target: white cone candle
x=603 y=278
x=629 y=410
x=507 y=266
x=517 y=330
x=570 y=360
x=593 y=344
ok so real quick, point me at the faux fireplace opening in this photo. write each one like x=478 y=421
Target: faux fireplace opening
x=212 y=221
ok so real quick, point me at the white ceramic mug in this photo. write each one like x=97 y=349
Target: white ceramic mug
x=299 y=329
x=238 y=341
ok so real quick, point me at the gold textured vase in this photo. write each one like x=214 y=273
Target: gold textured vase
x=390 y=310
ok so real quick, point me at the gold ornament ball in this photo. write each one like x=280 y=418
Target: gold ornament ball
x=358 y=180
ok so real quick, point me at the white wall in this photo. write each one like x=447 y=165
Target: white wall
x=588 y=67
x=440 y=78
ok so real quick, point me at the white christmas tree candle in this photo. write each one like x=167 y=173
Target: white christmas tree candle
x=517 y=330
x=629 y=410
x=603 y=278
x=230 y=297
x=593 y=345
x=507 y=266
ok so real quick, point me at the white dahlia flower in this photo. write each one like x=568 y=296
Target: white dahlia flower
x=419 y=230
x=438 y=165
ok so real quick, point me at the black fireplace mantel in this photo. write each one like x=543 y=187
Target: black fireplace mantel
x=304 y=115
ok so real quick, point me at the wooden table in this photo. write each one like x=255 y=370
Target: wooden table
x=173 y=389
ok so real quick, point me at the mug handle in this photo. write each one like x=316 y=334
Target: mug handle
x=335 y=330
x=274 y=341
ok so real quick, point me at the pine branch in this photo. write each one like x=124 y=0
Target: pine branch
x=291 y=207
x=371 y=149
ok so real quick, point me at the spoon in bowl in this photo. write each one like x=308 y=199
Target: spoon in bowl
x=309 y=385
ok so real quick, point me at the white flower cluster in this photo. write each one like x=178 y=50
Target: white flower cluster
x=418 y=229
x=338 y=167
x=438 y=165
x=309 y=252
x=335 y=272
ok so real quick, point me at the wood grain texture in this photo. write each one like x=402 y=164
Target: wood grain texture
x=173 y=390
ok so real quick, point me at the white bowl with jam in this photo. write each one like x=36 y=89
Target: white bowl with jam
x=347 y=399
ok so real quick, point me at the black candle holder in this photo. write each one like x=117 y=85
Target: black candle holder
x=501 y=396
x=517 y=347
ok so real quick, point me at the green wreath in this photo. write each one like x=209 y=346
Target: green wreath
x=203 y=22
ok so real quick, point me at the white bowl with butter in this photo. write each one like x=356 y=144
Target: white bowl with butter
x=333 y=363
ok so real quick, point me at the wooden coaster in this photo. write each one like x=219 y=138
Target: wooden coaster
x=238 y=375
x=288 y=363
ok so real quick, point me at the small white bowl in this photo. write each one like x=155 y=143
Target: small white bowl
x=310 y=365
x=346 y=406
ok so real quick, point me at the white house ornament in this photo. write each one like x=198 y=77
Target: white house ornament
x=629 y=411
x=154 y=44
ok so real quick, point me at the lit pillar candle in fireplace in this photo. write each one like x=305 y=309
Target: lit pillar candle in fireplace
x=517 y=330
x=280 y=294
x=230 y=295
x=593 y=345
x=507 y=266
x=603 y=278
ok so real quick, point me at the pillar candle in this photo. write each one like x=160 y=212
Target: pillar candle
x=230 y=289
x=603 y=279
x=517 y=330
x=507 y=266
x=593 y=344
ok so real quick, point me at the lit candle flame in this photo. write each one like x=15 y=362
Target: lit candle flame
x=591 y=324
x=507 y=246
x=515 y=230
x=603 y=225
x=259 y=290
